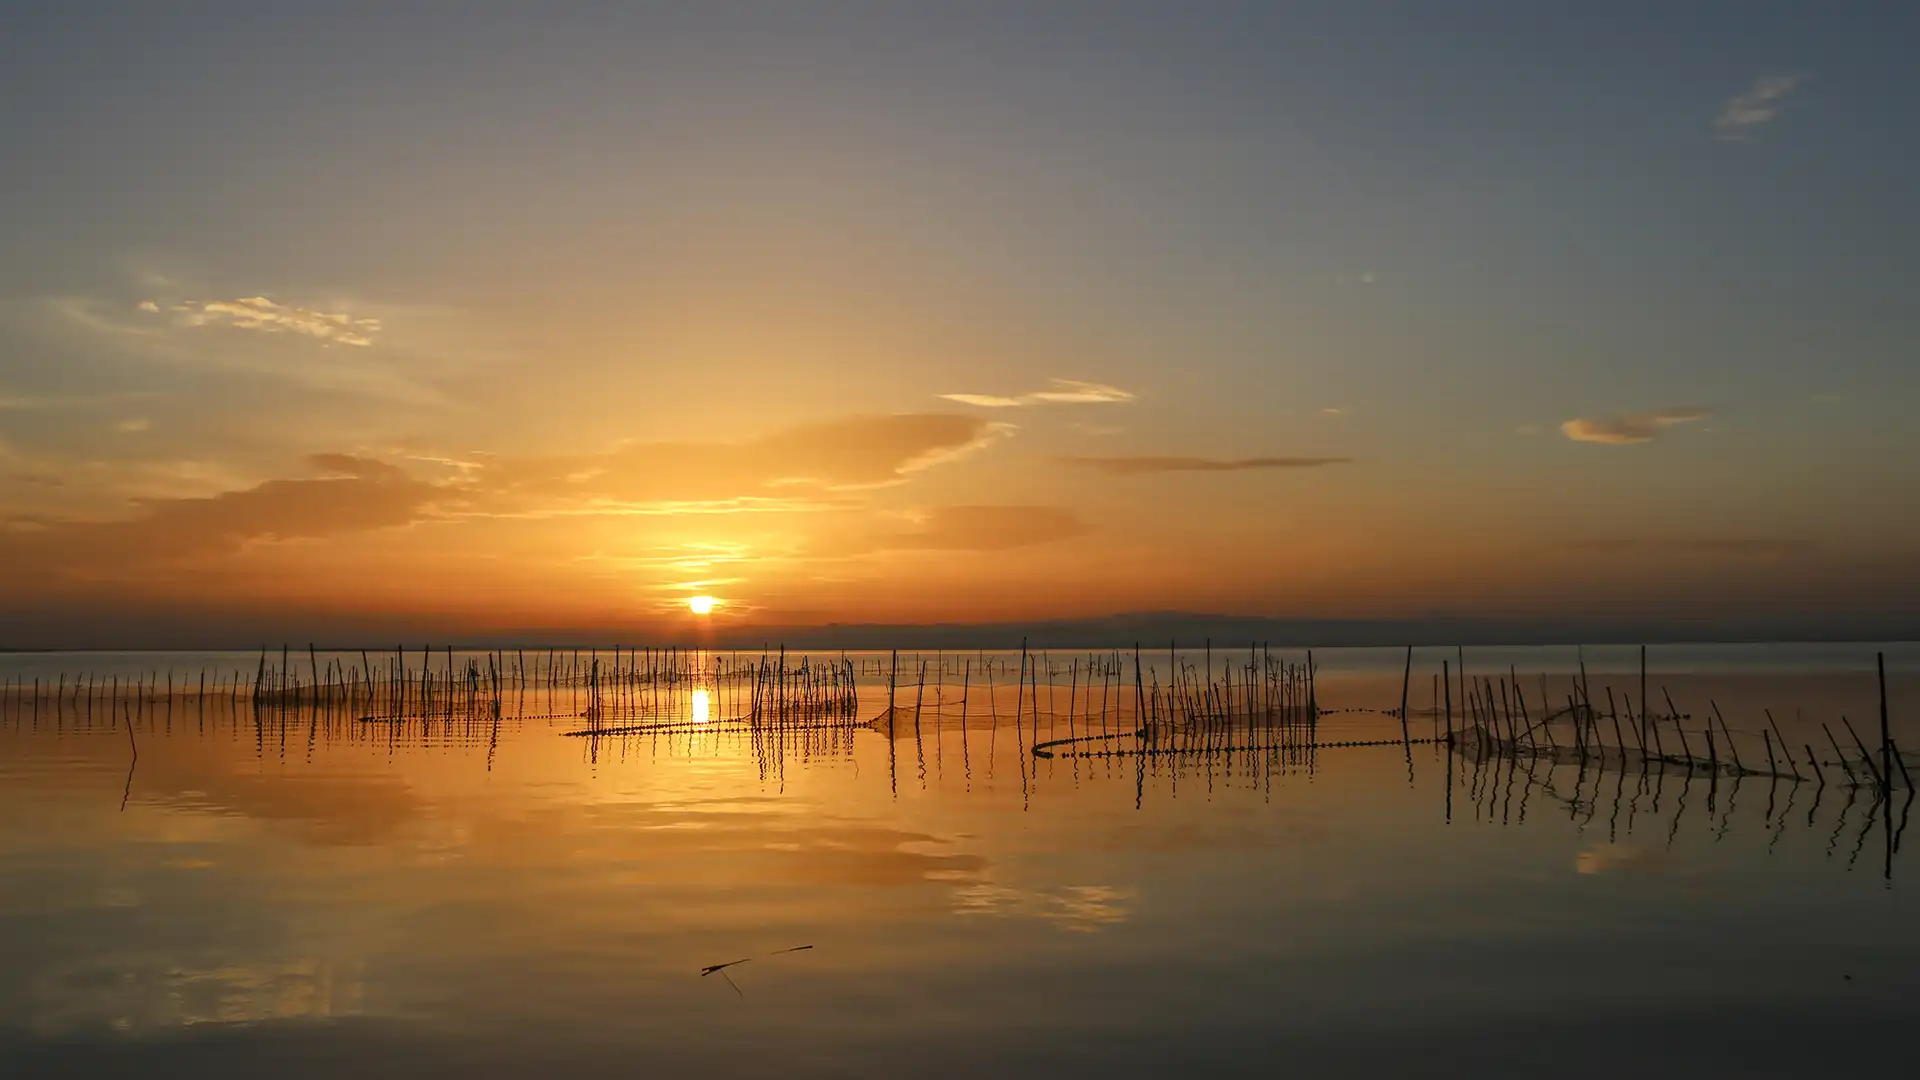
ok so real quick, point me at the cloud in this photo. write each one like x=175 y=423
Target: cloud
x=357 y=467
x=816 y=468
x=981 y=437
x=52 y=402
x=167 y=530
x=832 y=456
x=1058 y=392
x=986 y=401
x=133 y=425
x=1760 y=549
x=260 y=313
x=964 y=528
x=1759 y=104
x=1138 y=466
x=179 y=336
x=1632 y=428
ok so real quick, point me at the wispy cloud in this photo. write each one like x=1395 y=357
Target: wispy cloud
x=51 y=402
x=697 y=558
x=183 y=335
x=1757 y=105
x=358 y=468
x=1757 y=548
x=827 y=458
x=260 y=313
x=985 y=436
x=961 y=528
x=1058 y=392
x=1141 y=466
x=1632 y=428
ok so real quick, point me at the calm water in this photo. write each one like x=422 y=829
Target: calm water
x=295 y=893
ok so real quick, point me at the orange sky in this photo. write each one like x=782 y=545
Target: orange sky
x=946 y=317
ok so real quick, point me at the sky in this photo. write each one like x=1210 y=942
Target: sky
x=540 y=320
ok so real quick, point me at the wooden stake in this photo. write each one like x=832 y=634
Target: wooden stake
x=1865 y=758
x=1406 y=680
x=1886 y=736
x=1784 y=747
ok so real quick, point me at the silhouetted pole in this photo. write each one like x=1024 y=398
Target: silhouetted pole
x=1886 y=736
x=1643 y=693
x=1139 y=692
x=1406 y=679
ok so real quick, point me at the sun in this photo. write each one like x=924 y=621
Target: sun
x=701 y=605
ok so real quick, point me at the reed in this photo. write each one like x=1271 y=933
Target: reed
x=1259 y=710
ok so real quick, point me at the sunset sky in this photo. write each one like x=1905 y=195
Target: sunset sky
x=450 y=319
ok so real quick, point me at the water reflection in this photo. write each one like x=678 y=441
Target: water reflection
x=462 y=887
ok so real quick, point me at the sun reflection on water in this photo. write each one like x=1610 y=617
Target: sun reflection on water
x=702 y=707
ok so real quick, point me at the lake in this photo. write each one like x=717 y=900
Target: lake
x=594 y=865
